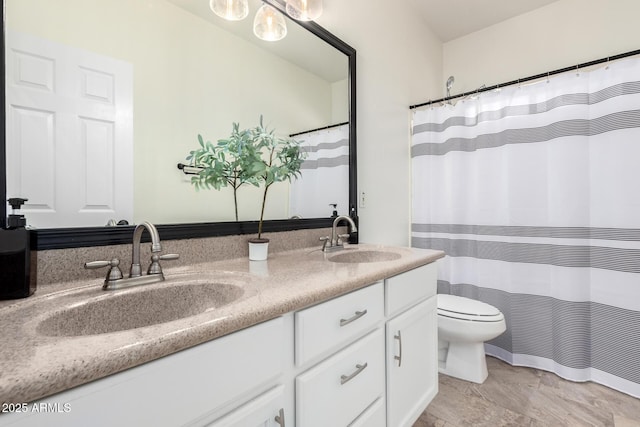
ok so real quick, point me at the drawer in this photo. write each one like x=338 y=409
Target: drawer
x=409 y=288
x=261 y=411
x=332 y=324
x=338 y=390
x=373 y=416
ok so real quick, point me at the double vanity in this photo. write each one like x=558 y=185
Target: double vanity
x=307 y=338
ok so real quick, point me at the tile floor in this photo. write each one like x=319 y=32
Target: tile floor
x=517 y=396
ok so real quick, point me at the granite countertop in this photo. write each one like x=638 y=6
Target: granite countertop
x=38 y=359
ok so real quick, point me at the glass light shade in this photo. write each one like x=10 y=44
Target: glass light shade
x=231 y=10
x=269 y=24
x=304 y=10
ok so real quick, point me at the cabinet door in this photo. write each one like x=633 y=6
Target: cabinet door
x=266 y=410
x=412 y=363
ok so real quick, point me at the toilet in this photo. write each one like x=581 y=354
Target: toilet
x=464 y=325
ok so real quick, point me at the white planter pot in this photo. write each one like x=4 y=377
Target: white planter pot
x=258 y=251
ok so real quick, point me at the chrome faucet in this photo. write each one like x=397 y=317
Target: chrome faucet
x=115 y=279
x=135 y=270
x=336 y=241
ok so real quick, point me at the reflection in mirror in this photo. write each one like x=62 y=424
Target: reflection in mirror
x=105 y=97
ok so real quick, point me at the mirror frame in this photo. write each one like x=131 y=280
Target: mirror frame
x=58 y=238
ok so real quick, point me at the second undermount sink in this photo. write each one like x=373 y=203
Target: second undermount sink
x=121 y=311
x=364 y=256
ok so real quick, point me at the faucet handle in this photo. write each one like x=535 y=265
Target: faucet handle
x=154 y=267
x=114 y=272
x=324 y=239
x=342 y=238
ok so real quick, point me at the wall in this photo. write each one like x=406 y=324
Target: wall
x=190 y=77
x=559 y=35
x=398 y=63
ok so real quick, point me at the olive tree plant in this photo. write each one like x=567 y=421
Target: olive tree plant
x=280 y=159
x=254 y=156
x=229 y=162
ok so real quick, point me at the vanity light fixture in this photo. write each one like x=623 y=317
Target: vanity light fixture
x=304 y=10
x=231 y=10
x=269 y=24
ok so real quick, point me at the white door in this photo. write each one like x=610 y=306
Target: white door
x=69 y=129
x=412 y=363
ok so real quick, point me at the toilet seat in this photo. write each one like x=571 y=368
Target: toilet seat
x=462 y=308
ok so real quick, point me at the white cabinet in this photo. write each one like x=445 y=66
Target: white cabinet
x=193 y=386
x=402 y=348
x=367 y=358
x=412 y=363
x=412 y=344
x=266 y=410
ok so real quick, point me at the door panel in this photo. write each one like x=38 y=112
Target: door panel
x=69 y=133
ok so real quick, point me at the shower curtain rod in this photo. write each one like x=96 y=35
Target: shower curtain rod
x=314 y=130
x=537 y=76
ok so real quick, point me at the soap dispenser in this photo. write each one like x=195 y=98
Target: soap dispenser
x=334 y=214
x=17 y=272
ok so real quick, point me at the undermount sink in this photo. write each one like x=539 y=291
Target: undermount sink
x=121 y=311
x=364 y=256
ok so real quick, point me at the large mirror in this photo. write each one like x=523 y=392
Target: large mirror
x=154 y=75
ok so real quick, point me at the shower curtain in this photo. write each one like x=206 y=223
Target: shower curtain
x=325 y=174
x=533 y=192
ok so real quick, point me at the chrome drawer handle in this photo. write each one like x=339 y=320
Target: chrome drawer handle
x=347 y=378
x=359 y=314
x=280 y=418
x=399 y=357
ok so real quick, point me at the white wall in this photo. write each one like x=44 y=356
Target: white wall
x=398 y=64
x=559 y=35
x=189 y=77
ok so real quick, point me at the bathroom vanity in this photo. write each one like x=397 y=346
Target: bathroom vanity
x=304 y=339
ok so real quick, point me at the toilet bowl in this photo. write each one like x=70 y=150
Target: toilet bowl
x=464 y=325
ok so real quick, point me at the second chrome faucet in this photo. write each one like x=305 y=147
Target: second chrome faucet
x=335 y=242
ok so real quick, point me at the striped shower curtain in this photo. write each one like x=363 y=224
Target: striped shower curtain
x=325 y=174
x=533 y=192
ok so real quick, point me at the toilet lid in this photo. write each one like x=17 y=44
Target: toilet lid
x=467 y=309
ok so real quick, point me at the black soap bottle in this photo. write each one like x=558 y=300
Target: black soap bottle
x=353 y=238
x=17 y=272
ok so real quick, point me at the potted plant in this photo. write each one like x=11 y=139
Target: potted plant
x=280 y=160
x=227 y=163
x=253 y=156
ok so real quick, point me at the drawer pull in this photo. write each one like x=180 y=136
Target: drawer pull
x=359 y=314
x=280 y=418
x=347 y=378
x=399 y=357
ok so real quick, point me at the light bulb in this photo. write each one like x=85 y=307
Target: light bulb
x=304 y=10
x=269 y=24
x=231 y=10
